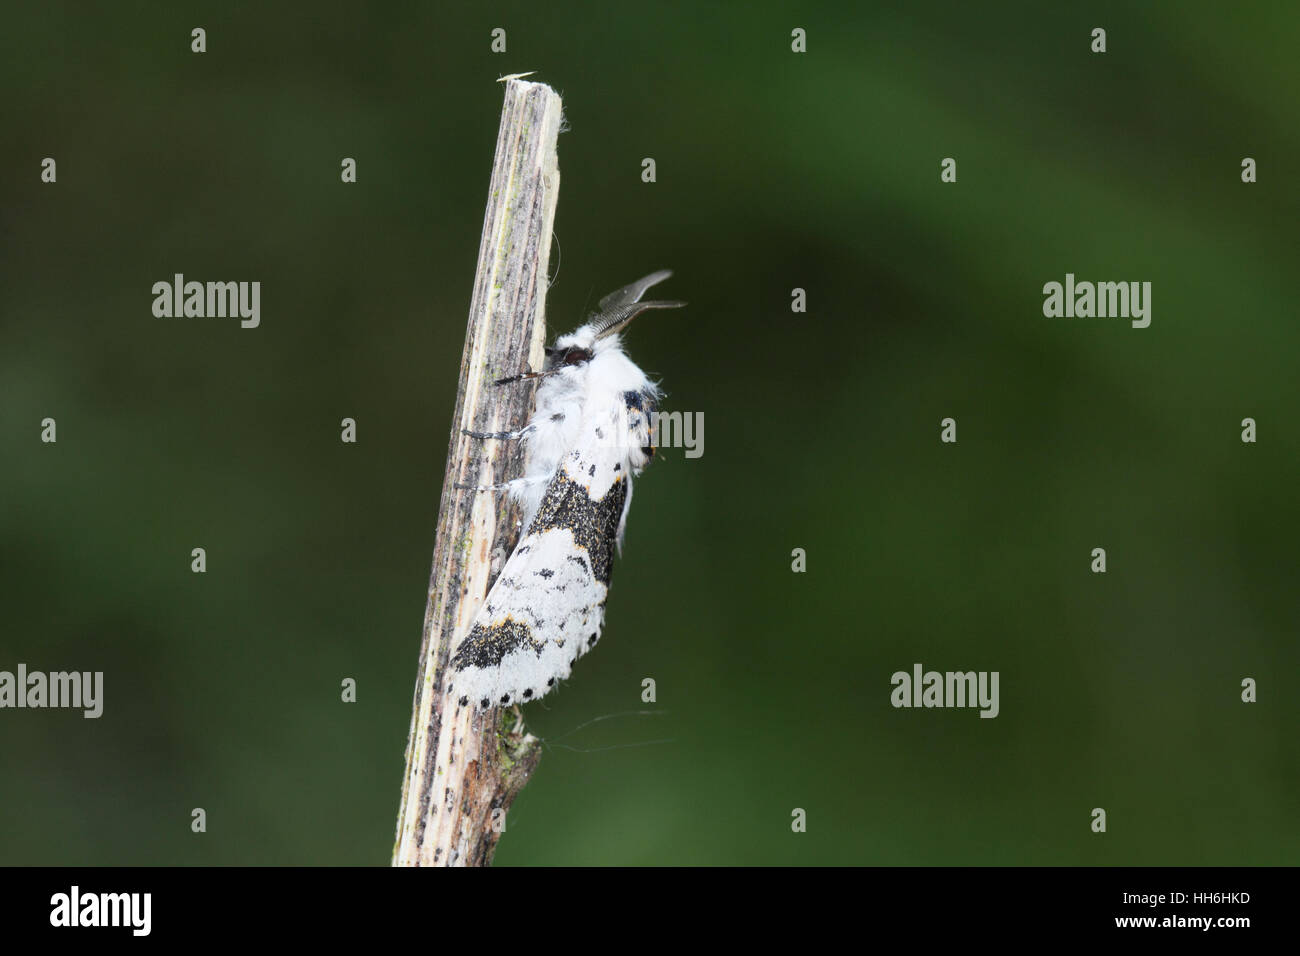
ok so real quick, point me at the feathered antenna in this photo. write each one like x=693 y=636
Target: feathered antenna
x=623 y=305
x=611 y=322
x=616 y=310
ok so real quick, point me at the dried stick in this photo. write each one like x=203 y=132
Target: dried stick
x=464 y=768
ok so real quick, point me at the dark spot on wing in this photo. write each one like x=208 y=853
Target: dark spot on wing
x=487 y=646
x=544 y=573
x=594 y=523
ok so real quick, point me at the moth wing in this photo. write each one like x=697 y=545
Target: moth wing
x=547 y=607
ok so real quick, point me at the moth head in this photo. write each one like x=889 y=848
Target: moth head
x=600 y=333
x=566 y=353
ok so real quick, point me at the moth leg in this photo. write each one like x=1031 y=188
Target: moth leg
x=503 y=436
x=524 y=377
x=512 y=485
x=504 y=487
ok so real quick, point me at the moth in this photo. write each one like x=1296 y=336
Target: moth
x=589 y=437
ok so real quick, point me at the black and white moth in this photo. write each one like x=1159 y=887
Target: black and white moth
x=590 y=435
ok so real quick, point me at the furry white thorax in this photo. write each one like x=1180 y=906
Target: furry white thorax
x=571 y=404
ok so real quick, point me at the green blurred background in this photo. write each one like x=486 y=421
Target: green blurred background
x=775 y=170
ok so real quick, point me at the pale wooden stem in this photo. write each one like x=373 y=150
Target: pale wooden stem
x=461 y=766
